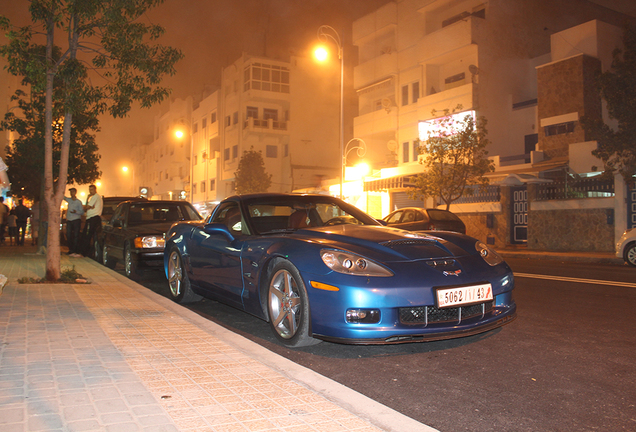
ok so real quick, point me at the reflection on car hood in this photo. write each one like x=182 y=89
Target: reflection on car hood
x=150 y=229
x=402 y=244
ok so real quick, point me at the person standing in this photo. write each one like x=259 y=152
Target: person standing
x=4 y=218
x=93 y=210
x=23 y=214
x=73 y=222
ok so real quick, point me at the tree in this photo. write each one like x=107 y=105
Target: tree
x=25 y=155
x=109 y=61
x=455 y=157
x=251 y=176
x=617 y=86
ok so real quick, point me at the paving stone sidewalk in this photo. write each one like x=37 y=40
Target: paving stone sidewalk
x=111 y=355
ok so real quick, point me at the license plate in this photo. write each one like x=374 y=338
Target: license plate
x=458 y=296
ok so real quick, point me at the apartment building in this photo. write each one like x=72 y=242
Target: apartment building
x=418 y=58
x=286 y=110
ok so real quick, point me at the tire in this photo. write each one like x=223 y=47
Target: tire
x=131 y=268
x=106 y=259
x=178 y=281
x=97 y=252
x=288 y=306
x=630 y=254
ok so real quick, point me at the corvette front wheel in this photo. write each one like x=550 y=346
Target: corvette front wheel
x=288 y=306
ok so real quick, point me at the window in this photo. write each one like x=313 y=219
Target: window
x=405 y=95
x=416 y=150
x=252 y=112
x=235 y=117
x=213 y=117
x=204 y=122
x=202 y=186
x=405 y=152
x=194 y=188
x=234 y=152
x=559 y=128
x=226 y=154
x=228 y=121
x=286 y=151
x=261 y=76
x=415 y=91
x=271 y=151
x=212 y=184
x=455 y=81
x=195 y=128
x=269 y=113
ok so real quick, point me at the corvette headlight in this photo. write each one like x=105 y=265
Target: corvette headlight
x=353 y=264
x=146 y=242
x=489 y=255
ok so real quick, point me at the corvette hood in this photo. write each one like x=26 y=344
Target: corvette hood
x=400 y=244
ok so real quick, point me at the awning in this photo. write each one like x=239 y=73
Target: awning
x=397 y=182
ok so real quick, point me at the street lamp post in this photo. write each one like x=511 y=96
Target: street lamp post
x=327 y=33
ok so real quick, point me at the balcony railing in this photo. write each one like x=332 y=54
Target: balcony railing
x=587 y=187
x=253 y=123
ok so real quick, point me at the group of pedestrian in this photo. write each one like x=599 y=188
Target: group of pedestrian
x=80 y=245
x=14 y=221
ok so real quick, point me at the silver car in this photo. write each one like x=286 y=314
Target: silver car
x=626 y=247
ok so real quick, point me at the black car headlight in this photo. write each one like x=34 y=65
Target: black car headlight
x=353 y=264
x=489 y=255
x=152 y=241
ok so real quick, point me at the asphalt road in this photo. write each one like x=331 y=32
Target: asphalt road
x=567 y=363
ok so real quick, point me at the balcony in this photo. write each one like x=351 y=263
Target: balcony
x=375 y=122
x=375 y=69
x=436 y=46
x=269 y=126
x=465 y=95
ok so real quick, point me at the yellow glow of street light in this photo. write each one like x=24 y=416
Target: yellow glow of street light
x=124 y=169
x=179 y=134
x=321 y=53
x=98 y=184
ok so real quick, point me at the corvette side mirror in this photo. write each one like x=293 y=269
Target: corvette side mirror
x=218 y=228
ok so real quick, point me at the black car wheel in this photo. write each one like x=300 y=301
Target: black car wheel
x=180 y=290
x=130 y=264
x=288 y=306
x=630 y=254
x=106 y=259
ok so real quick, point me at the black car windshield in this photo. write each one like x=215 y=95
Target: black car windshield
x=291 y=213
x=149 y=212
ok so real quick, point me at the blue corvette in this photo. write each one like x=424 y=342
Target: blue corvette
x=317 y=268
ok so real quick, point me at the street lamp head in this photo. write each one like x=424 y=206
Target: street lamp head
x=179 y=134
x=321 y=53
x=124 y=169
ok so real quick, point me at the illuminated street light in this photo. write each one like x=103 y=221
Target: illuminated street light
x=325 y=34
x=179 y=134
x=132 y=184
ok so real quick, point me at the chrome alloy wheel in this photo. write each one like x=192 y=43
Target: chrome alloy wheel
x=285 y=304
x=175 y=274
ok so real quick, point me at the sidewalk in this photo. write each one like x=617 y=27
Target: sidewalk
x=581 y=257
x=112 y=355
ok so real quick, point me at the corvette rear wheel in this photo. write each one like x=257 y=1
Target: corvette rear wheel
x=288 y=306
x=180 y=290
x=630 y=254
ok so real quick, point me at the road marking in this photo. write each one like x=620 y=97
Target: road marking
x=569 y=279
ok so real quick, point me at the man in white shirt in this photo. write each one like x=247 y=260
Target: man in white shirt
x=73 y=222
x=93 y=209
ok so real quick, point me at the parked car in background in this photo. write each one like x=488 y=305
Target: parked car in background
x=420 y=219
x=111 y=203
x=135 y=233
x=317 y=268
x=626 y=247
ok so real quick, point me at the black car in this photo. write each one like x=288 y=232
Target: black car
x=420 y=219
x=136 y=232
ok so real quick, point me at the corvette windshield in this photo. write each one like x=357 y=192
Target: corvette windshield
x=292 y=214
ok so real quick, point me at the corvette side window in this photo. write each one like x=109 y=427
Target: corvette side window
x=230 y=216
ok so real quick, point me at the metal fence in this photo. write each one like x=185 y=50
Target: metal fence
x=586 y=187
x=478 y=194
